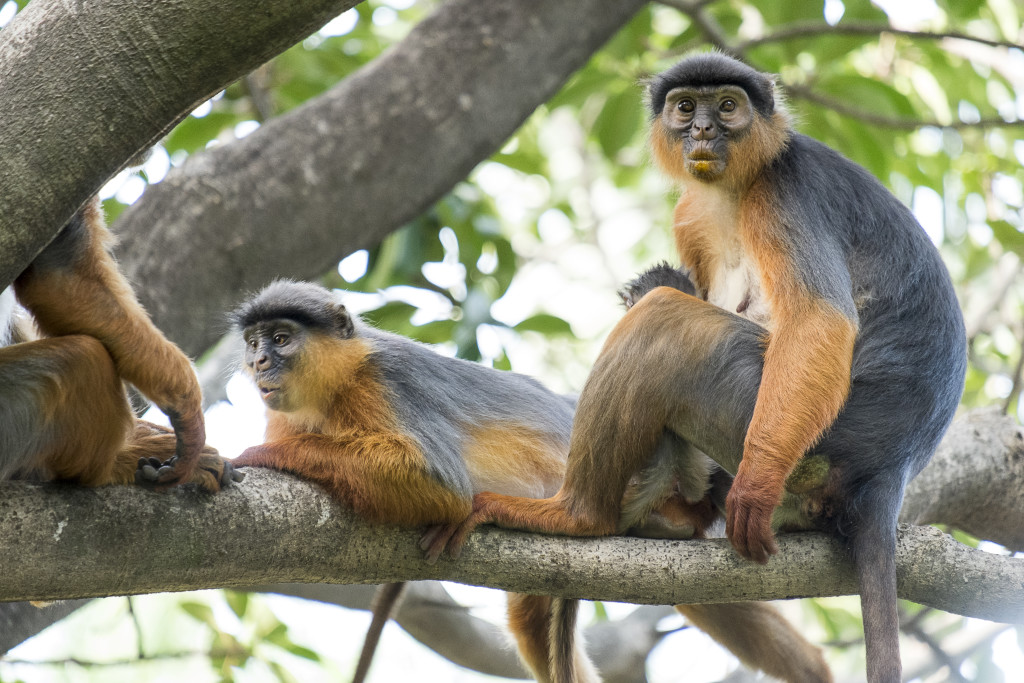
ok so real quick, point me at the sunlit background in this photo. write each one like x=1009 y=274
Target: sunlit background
x=517 y=268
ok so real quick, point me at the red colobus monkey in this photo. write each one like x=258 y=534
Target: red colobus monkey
x=404 y=435
x=821 y=321
x=64 y=413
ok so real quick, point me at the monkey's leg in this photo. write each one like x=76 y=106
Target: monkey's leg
x=74 y=287
x=63 y=410
x=384 y=477
x=673 y=362
x=762 y=639
x=530 y=620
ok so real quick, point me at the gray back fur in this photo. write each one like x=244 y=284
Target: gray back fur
x=437 y=398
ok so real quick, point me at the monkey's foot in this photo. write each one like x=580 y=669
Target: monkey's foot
x=153 y=446
x=435 y=539
x=748 y=518
x=451 y=537
x=211 y=474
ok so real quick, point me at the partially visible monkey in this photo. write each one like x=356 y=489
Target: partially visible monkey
x=824 y=322
x=64 y=412
x=404 y=435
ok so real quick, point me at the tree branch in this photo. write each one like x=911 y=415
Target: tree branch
x=840 y=107
x=366 y=157
x=86 y=86
x=819 y=29
x=70 y=542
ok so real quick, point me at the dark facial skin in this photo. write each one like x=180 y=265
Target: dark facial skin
x=707 y=120
x=272 y=348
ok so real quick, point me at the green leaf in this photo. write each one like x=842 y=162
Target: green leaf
x=1009 y=236
x=279 y=637
x=393 y=315
x=620 y=121
x=545 y=324
x=436 y=332
x=868 y=94
x=193 y=134
x=237 y=601
x=200 y=612
x=865 y=10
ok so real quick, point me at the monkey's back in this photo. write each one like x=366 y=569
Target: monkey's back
x=909 y=358
x=502 y=426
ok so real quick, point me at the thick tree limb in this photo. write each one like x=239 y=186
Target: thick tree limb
x=85 y=86
x=976 y=448
x=975 y=482
x=364 y=158
x=68 y=542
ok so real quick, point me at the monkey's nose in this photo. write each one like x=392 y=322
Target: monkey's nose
x=704 y=130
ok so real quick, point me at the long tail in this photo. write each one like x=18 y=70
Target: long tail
x=384 y=602
x=563 y=640
x=569 y=663
x=873 y=541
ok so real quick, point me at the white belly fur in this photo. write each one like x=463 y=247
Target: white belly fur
x=736 y=287
x=735 y=283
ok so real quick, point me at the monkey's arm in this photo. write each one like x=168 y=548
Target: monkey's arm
x=804 y=384
x=383 y=477
x=74 y=287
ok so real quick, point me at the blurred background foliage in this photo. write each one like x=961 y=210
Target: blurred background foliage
x=518 y=266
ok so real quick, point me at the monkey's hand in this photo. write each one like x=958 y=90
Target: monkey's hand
x=748 y=514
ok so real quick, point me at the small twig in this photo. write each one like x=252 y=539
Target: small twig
x=812 y=29
x=706 y=23
x=914 y=628
x=229 y=652
x=255 y=84
x=1018 y=377
x=874 y=119
x=138 y=627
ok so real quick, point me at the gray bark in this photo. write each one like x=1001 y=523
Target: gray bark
x=84 y=86
x=356 y=163
x=65 y=542
x=974 y=482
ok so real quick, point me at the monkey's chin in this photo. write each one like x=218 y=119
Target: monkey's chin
x=272 y=397
x=705 y=169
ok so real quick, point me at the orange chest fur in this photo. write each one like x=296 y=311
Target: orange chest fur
x=713 y=239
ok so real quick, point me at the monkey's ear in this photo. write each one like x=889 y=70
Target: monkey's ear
x=343 y=322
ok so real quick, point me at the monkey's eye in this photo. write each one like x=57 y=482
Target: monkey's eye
x=686 y=106
x=252 y=343
x=281 y=338
x=728 y=105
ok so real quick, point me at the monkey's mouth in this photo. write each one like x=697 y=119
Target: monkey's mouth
x=702 y=154
x=267 y=391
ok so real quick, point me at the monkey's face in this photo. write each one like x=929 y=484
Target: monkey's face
x=704 y=122
x=272 y=351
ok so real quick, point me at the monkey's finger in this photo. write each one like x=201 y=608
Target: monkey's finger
x=458 y=538
x=435 y=540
